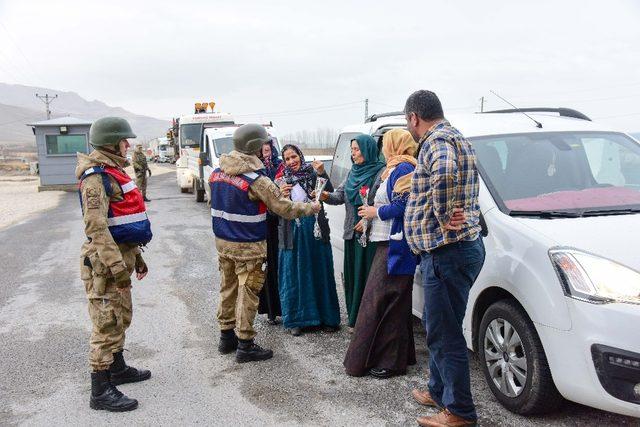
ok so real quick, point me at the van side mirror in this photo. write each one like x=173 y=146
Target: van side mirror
x=204 y=158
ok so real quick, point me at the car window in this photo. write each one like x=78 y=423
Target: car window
x=342 y=158
x=611 y=163
x=572 y=171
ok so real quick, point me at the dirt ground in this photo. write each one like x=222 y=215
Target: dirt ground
x=19 y=196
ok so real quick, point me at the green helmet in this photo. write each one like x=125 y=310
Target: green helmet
x=109 y=131
x=249 y=138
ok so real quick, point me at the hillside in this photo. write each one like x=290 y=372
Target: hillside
x=19 y=105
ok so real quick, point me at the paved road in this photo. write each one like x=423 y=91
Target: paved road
x=44 y=330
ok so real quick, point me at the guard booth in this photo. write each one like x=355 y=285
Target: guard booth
x=58 y=141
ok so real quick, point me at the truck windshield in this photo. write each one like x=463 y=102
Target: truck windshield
x=190 y=135
x=583 y=173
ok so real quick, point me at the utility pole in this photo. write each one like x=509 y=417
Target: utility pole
x=47 y=100
x=482 y=104
x=366 y=108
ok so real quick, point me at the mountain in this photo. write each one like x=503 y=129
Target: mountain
x=19 y=105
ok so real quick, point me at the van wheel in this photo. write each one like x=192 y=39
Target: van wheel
x=184 y=190
x=514 y=362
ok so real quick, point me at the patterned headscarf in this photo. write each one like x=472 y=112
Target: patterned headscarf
x=304 y=175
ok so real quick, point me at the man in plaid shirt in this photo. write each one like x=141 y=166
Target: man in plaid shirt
x=442 y=226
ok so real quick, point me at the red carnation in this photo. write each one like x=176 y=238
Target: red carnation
x=364 y=190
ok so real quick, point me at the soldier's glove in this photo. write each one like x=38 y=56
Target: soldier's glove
x=149 y=170
x=122 y=279
x=141 y=266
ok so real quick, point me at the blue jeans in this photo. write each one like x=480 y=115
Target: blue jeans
x=447 y=275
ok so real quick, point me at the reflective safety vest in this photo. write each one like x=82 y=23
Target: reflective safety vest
x=127 y=219
x=235 y=217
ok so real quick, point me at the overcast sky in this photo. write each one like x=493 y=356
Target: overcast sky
x=280 y=57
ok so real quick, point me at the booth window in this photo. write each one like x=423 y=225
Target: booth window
x=66 y=144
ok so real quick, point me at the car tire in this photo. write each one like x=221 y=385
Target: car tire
x=184 y=190
x=517 y=370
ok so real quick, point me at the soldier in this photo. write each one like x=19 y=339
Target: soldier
x=141 y=168
x=116 y=224
x=240 y=195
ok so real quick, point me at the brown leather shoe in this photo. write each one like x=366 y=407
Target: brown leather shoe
x=424 y=398
x=444 y=419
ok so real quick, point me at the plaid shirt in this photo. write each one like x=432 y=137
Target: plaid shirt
x=445 y=177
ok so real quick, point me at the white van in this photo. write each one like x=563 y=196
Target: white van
x=556 y=308
x=219 y=141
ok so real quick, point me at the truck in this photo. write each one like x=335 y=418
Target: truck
x=162 y=150
x=202 y=138
x=189 y=172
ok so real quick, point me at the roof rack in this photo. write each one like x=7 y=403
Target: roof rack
x=564 y=112
x=374 y=117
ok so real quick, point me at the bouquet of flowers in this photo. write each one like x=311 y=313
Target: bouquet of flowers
x=320 y=184
x=364 y=196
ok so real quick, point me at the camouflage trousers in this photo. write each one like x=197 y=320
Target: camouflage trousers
x=141 y=182
x=110 y=312
x=241 y=282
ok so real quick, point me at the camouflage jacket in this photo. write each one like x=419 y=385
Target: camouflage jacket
x=106 y=256
x=139 y=162
x=263 y=189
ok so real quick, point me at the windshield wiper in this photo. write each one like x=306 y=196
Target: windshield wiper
x=546 y=214
x=603 y=212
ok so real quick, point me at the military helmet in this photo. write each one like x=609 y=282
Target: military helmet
x=109 y=131
x=249 y=138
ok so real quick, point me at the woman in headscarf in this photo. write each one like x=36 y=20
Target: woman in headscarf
x=269 y=297
x=364 y=178
x=382 y=343
x=306 y=279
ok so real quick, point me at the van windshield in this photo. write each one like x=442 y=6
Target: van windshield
x=576 y=173
x=190 y=135
x=225 y=145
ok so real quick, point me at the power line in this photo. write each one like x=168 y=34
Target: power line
x=47 y=101
x=310 y=109
x=30 y=66
x=302 y=113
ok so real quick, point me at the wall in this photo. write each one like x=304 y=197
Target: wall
x=57 y=169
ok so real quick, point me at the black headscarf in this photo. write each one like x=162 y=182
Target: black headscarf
x=305 y=175
x=272 y=164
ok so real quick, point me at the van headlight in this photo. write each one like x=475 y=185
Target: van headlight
x=595 y=279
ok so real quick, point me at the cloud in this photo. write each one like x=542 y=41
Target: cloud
x=159 y=57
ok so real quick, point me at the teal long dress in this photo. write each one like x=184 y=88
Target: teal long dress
x=307 y=283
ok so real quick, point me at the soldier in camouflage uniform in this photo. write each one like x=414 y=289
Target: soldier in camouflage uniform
x=109 y=257
x=141 y=168
x=241 y=192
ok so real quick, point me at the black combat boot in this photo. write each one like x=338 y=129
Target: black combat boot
x=248 y=351
x=228 y=342
x=121 y=373
x=105 y=395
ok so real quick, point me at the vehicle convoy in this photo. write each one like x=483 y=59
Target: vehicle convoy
x=203 y=137
x=162 y=150
x=555 y=309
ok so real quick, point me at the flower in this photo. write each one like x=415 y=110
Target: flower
x=364 y=191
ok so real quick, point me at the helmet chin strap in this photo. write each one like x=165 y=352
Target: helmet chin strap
x=112 y=149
